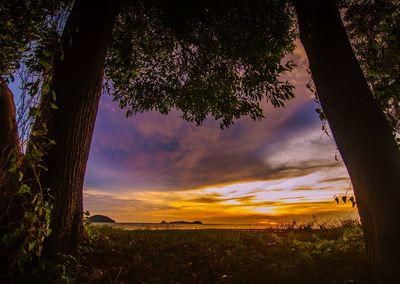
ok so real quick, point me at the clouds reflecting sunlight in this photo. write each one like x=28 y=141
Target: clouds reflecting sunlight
x=150 y=167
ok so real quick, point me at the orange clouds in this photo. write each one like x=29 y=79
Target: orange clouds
x=233 y=203
x=151 y=167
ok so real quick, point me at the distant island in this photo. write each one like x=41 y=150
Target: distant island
x=182 y=222
x=101 y=219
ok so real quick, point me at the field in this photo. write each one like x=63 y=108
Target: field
x=333 y=255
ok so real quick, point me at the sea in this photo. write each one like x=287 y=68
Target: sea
x=158 y=226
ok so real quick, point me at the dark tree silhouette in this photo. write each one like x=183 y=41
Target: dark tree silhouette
x=216 y=58
x=360 y=129
x=374 y=31
x=8 y=129
x=157 y=60
x=77 y=80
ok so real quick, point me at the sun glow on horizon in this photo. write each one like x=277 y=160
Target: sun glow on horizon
x=151 y=167
x=268 y=201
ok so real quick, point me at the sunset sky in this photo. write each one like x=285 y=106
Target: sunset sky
x=149 y=167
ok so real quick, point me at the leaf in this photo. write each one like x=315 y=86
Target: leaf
x=53 y=105
x=31 y=246
x=20 y=176
x=24 y=189
x=44 y=62
x=45 y=88
x=53 y=94
x=33 y=111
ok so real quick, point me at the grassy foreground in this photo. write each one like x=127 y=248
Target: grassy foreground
x=223 y=256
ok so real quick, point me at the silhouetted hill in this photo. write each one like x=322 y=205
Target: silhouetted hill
x=101 y=218
x=182 y=222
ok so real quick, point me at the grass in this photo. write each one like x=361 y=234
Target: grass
x=334 y=255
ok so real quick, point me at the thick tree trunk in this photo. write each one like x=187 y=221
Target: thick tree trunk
x=9 y=142
x=10 y=154
x=77 y=82
x=360 y=130
x=9 y=148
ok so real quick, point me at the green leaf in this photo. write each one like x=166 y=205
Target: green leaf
x=24 y=189
x=20 y=176
x=206 y=64
x=31 y=246
x=53 y=95
x=33 y=111
x=45 y=88
x=53 y=105
x=44 y=62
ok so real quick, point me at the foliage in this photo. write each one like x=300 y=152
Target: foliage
x=62 y=268
x=374 y=31
x=28 y=223
x=202 y=58
x=23 y=23
x=89 y=230
x=233 y=85
x=327 y=255
x=32 y=26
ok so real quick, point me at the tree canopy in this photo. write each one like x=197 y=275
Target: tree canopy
x=206 y=58
x=374 y=31
x=26 y=26
x=202 y=58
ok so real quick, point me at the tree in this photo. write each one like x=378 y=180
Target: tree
x=27 y=29
x=151 y=67
x=360 y=129
x=22 y=24
x=215 y=59
x=201 y=58
x=374 y=32
x=151 y=64
x=76 y=81
x=8 y=129
x=361 y=148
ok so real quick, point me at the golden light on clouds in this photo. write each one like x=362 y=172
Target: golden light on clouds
x=263 y=202
x=151 y=167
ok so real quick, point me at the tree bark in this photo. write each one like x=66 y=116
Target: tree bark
x=77 y=80
x=361 y=132
x=10 y=154
x=9 y=142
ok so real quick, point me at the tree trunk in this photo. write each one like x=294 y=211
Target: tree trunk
x=10 y=153
x=9 y=142
x=361 y=132
x=77 y=80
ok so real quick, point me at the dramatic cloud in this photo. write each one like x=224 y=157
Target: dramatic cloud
x=151 y=167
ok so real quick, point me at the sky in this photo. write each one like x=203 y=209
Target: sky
x=149 y=167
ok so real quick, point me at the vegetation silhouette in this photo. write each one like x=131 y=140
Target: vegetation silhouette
x=211 y=58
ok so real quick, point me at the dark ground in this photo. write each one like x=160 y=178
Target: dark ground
x=222 y=256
